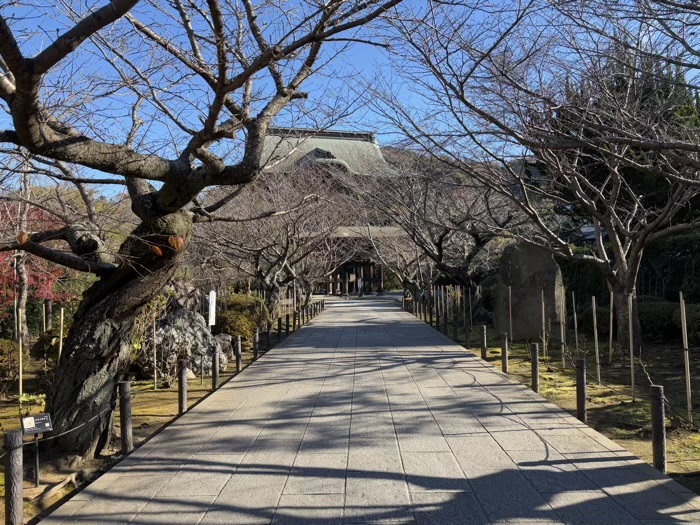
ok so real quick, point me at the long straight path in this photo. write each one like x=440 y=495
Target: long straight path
x=367 y=415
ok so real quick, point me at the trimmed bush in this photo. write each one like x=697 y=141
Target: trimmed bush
x=243 y=314
x=655 y=317
x=692 y=318
x=656 y=320
x=9 y=365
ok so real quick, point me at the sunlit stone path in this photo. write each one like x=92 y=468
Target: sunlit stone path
x=367 y=415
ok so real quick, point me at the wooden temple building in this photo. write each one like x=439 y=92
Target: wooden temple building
x=358 y=153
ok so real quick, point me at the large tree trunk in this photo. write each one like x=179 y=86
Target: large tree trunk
x=98 y=347
x=622 y=317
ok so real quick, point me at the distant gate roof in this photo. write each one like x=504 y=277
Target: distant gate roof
x=287 y=150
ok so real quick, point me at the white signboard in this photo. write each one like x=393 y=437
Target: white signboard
x=212 y=308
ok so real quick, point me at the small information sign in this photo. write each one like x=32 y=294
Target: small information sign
x=212 y=308
x=37 y=424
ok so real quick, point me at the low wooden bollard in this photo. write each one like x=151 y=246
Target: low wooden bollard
x=256 y=343
x=239 y=354
x=430 y=313
x=286 y=325
x=504 y=352
x=182 y=387
x=268 y=338
x=484 y=343
x=215 y=370
x=535 y=366
x=127 y=434
x=581 y=413
x=14 y=478
x=455 y=331
x=658 y=427
x=279 y=329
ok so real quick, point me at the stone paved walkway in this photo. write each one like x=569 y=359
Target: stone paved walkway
x=367 y=415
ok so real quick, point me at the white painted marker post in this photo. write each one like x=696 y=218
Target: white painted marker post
x=60 y=338
x=212 y=308
x=19 y=332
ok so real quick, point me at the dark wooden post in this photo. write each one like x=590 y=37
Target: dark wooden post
x=658 y=427
x=239 y=354
x=268 y=338
x=535 y=366
x=182 y=387
x=431 y=305
x=504 y=352
x=279 y=329
x=215 y=370
x=445 y=310
x=286 y=325
x=256 y=343
x=127 y=437
x=14 y=478
x=455 y=332
x=437 y=312
x=295 y=320
x=581 y=390
x=484 y=343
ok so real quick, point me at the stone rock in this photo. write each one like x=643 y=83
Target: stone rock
x=226 y=343
x=529 y=271
x=181 y=334
x=183 y=294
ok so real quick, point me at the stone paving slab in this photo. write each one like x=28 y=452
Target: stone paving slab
x=367 y=415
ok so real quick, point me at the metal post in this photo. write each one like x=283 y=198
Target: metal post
x=658 y=427
x=504 y=352
x=14 y=468
x=215 y=370
x=535 y=366
x=581 y=390
x=182 y=387
x=239 y=354
x=127 y=437
x=483 y=342
x=256 y=343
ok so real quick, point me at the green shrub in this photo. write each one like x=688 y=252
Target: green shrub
x=46 y=347
x=656 y=320
x=235 y=323
x=692 y=319
x=9 y=365
x=585 y=320
x=649 y=299
x=655 y=317
x=242 y=315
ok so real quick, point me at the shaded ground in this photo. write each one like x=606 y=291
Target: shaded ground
x=152 y=410
x=369 y=416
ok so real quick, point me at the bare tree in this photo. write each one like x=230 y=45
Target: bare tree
x=546 y=108
x=168 y=99
x=450 y=218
